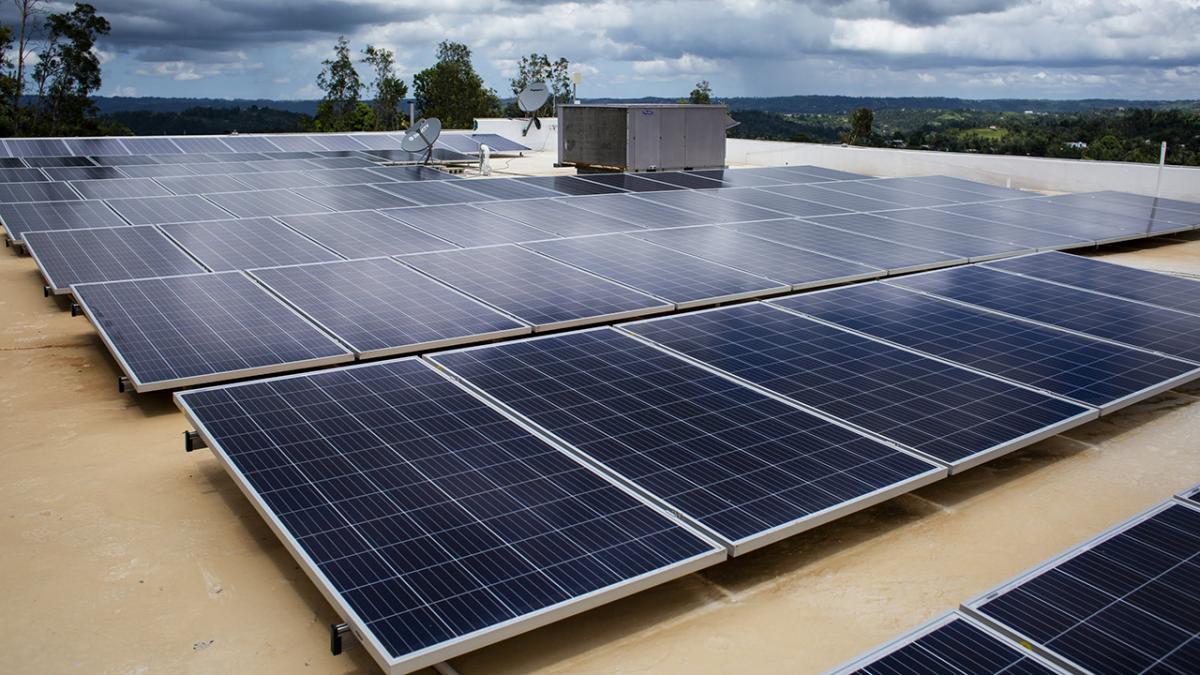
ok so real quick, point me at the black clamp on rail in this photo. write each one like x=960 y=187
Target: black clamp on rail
x=341 y=638
x=193 y=441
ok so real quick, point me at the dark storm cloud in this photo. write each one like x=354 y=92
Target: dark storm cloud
x=934 y=12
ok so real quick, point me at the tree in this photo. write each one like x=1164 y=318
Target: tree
x=339 y=107
x=68 y=71
x=1107 y=149
x=8 y=121
x=861 y=121
x=539 y=68
x=702 y=94
x=389 y=90
x=452 y=91
x=26 y=11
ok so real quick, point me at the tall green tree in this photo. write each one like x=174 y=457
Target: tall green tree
x=340 y=108
x=861 y=123
x=1107 y=148
x=539 y=68
x=702 y=94
x=8 y=119
x=388 y=90
x=452 y=91
x=68 y=72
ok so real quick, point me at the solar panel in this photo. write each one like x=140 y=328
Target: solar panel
x=338 y=142
x=378 y=141
x=738 y=178
x=459 y=143
x=952 y=644
x=293 y=154
x=119 y=188
x=364 y=234
x=171 y=332
x=874 y=190
x=432 y=523
x=843 y=200
x=1123 y=602
x=569 y=185
x=963 y=245
x=151 y=146
x=198 y=185
x=828 y=174
x=1162 y=290
x=250 y=144
x=33 y=147
x=405 y=173
x=627 y=182
x=355 y=152
x=379 y=307
x=241 y=158
x=265 y=203
x=194 y=145
x=466 y=225
x=798 y=268
x=246 y=243
x=352 y=197
x=68 y=257
x=24 y=176
x=786 y=174
x=270 y=164
x=991 y=191
x=716 y=210
x=159 y=210
x=15 y=162
x=950 y=222
x=1191 y=495
x=84 y=173
x=557 y=216
x=542 y=292
x=1111 y=197
x=956 y=416
x=950 y=194
x=1100 y=374
x=1129 y=225
x=123 y=159
x=887 y=255
x=95 y=146
x=1142 y=212
x=1043 y=223
x=777 y=202
x=744 y=466
x=21 y=218
x=639 y=212
x=342 y=163
x=685 y=280
x=159 y=170
x=1162 y=330
x=279 y=180
x=12 y=193
x=498 y=143
x=685 y=180
x=431 y=192
x=333 y=177
x=295 y=143
x=505 y=188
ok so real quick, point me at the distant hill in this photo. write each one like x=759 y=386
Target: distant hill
x=113 y=104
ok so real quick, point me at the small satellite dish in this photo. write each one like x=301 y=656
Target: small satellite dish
x=531 y=99
x=421 y=137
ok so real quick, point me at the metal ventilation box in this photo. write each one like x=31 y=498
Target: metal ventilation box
x=645 y=137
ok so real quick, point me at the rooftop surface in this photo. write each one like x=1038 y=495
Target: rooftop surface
x=132 y=556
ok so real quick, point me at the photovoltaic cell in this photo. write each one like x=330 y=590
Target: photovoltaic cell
x=1147 y=225
x=886 y=255
x=177 y=331
x=83 y=173
x=541 y=292
x=786 y=174
x=1043 y=223
x=967 y=246
x=341 y=162
x=355 y=177
x=124 y=160
x=747 y=467
x=639 y=212
x=295 y=143
x=1137 y=211
x=1162 y=290
x=194 y=145
x=265 y=203
x=432 y=193
x=459 y=143
x=364 y=234
x=379 y=307
x=569 y=185
x=119 y=188
x=828 y=174
x=1162 y=330
x=685 y=180
x=676 y=277
x=352 y=197
x=250 y=144
x=816 y=193
x=1124 y=602
x=950 y=222
x=48 y=162
x=14 y=162
x=33 y=147
x=198 y=185
x=954 y=415
x=150 y=146
x=717 y=210
x=738 y=178
x=106 y=254
x=795 y=267
x=275 y=180
x=24 y=176
x=338 y=142
x=96 y=146
x=557 y=216
x=159 y=210
x=992 y=191
x=69 y=215
x=1100 y=374
x=433 y=523
x=246 y=243
x=12 y=193
x=498 y=143
x=466 y=225
x=951 y=195
x=504 y=188
x=161 y=170
x=880 y=192
x=1111 y=197
x=407 y=173
x=628 y=182
x=777 y=202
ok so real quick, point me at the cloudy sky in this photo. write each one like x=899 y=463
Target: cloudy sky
x=967 y=48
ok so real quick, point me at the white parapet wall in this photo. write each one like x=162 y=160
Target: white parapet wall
x=538 y=140
x=1030 y=173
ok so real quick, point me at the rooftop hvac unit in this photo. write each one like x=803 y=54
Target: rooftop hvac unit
x=656 y=137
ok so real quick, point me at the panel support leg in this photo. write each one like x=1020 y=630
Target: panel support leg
x=444 y=668
x=124 y=385
x=193 y=441
x=341 y=638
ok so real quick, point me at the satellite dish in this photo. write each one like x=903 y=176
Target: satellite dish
x=421 y=137
x=531 y=99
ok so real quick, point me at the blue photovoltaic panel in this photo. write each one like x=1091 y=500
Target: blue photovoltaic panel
x=265 y=203
x=82 y=173
x=377 y=141
x=1137 y=211
x=379 y=307
x=466 y=225
x=828 y=195
x=151 y=146
x=33 y=147
x=1148 y=224
x=119 y=188
x=1155 y=288
x=745 y=466
x=558 y=216
x=886 y=255
x=14 y=162
x=685 y=180
x=786 y=174
x=738 y=178
x=352 y=197
x=12 y=193
x=569 y=185
x=685 y=280
x=967 y=246
x=275 y=180
x=96 y=146
x=364 y=234
x=1111 y=197
x=341 y=163
x=627 y=182
x=950 y=222
x=1100 y=374
x=199 y=185
x=716 y=210
x=355 y=152
x=498 y=143
x=47 y=162
x=777 y=202
x=21 y=218
x=951 y=645
x=295 y=143
x=334 y=177
x=407 y=173
x=875 y=191
x=194 y=145
x=1076 y=228
x=271 y=165
x=432 y=192
x=177 y=331
x=954 y=415
x=250 y=144
x=795 y=267
x=25 y=176
x=505 y=188
x=246 y=243
x=338 y=142
x=1124 y=602
x=827 y=174
x=295 y=154
x=432 y=522
x=992 y=191
x=639 y=212
x=159 y=210
x=231 y=158
x=1162 y=330
x=160 y=170
x=544 y=293
x=106 y=254
x=951 y=195
x=459 y=143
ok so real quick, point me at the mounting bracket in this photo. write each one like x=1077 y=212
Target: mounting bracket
x=124 y=385
x=341 y=638
x=76 y=310
x=193 y=441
